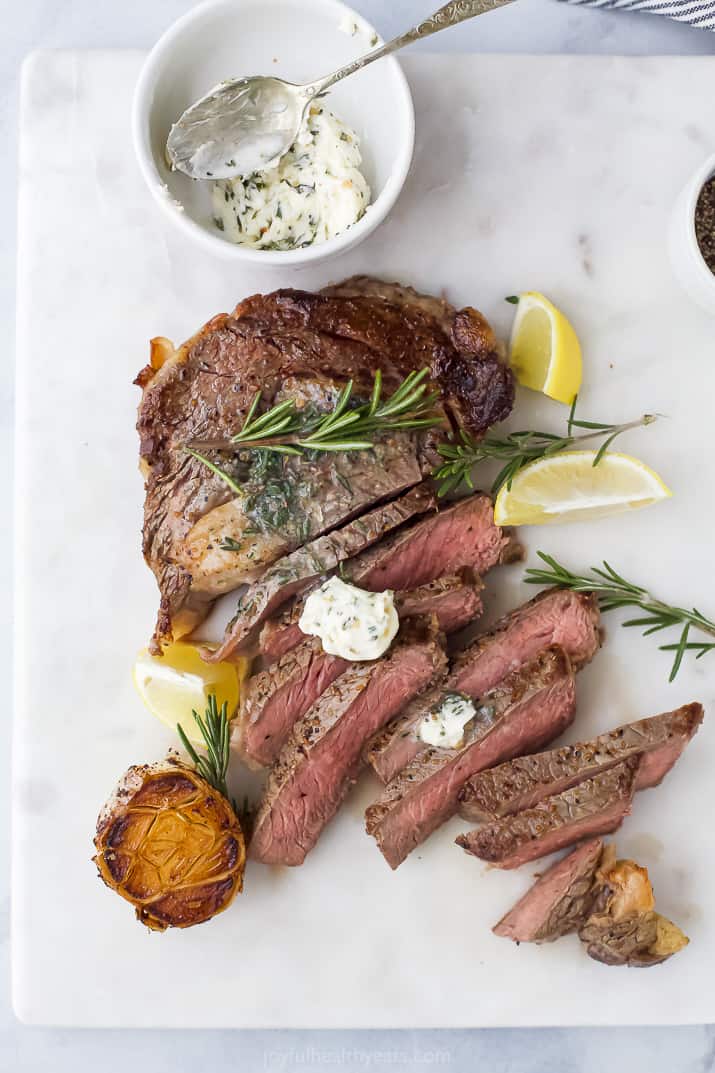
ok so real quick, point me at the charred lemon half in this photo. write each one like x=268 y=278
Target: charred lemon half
x=171 y=845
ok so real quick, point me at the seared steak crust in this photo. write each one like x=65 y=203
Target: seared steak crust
x=529 y=708
x=524 y=781
x=307 y=346
x=594 y=807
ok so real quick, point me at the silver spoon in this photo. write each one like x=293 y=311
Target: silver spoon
x=247 y=124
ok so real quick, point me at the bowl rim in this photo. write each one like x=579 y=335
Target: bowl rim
x=697 y=182
x=376 y=211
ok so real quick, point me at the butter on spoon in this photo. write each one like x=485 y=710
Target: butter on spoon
x=244 y=125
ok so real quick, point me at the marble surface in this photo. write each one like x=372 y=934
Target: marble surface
x=542 y=27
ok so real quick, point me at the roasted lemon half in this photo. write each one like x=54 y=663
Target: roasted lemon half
x=171 y=845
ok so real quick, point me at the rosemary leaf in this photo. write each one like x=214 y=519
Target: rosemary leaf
x=347 y=427
x=215 y=730
x=217 y=470
x=613 y=591
x=518 y=449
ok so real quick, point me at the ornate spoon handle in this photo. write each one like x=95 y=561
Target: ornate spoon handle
x=452 y=13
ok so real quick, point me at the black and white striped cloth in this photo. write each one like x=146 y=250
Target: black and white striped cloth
x=699 y=13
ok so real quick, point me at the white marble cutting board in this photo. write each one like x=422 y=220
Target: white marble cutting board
x=542 y=172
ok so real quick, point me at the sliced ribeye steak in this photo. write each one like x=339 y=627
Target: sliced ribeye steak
x=524 y=781
x=293 y=573
x=560 y=900
x=291 y=344
x=529 y=708
x=555 y=617
x=281 y=693
x=321 y=759
x=462 y=536
x=594 y=807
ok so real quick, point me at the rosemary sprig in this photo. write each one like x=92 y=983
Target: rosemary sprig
x=613 y=591
x=517 y=449
x=346 y=428
x=287 y=430
x=215 y=731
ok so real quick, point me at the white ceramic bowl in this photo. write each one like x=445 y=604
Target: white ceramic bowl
x=299 y=40
x=688 y=262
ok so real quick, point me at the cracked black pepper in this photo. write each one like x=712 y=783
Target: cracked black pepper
x=705 y=223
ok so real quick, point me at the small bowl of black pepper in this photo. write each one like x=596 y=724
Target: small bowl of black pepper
x=692 y=237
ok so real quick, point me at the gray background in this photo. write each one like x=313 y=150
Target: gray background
x=541 y=26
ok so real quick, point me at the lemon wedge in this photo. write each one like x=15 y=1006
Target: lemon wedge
x=568 y=487
x=544 y=350
x=173 y=684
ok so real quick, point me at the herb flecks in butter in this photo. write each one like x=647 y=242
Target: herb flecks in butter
x=350 y=622
x=315 y=192
x=444 y=725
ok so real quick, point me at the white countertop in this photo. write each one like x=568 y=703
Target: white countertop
x=530 y=26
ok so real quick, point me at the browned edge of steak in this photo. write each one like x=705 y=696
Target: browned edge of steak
x=594 y=807
x=570 y=620
x=529 y=708
x=321 y=758
x=560 y=900
x=293 y=572
x=523 y=782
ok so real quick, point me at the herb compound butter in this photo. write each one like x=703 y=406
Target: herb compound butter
x=315 y=192
x=444 y=726
x=350 y=622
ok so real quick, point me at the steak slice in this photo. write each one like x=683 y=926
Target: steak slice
x=274 y=699
x=559 y=902
x=291 y=344
x=555 y=617
x=321 y=758
x=294 y=572
x=570 y=620
x=460 y=537
x=454 y=601
x=526 y=780
x=530 y=707
x=594 y=807
x=283 y=692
